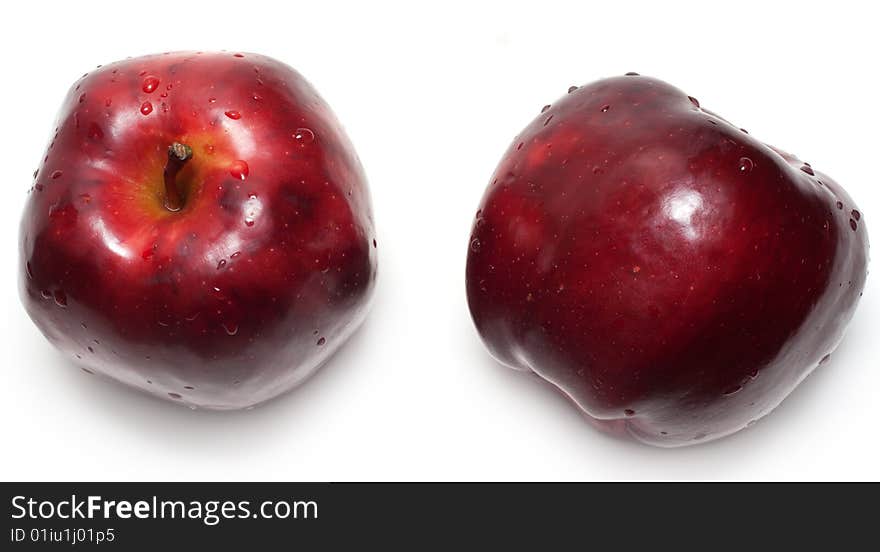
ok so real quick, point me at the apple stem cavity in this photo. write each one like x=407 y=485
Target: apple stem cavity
x=178 y=155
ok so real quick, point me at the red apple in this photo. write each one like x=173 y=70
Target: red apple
x=672 y=275
x=200 y=229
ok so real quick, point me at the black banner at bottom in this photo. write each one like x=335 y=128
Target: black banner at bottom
x=269 y=516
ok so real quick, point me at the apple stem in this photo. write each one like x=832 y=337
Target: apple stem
x=178 y=155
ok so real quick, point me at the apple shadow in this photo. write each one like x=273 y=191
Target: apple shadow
x=202 y=430
x=722 y=458
x=584 y=452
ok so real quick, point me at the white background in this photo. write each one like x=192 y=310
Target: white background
x=431 y=97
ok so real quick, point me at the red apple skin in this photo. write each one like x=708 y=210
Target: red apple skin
x=673 y=276
x=246 y=290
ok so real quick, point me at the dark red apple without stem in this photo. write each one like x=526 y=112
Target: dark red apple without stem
x=200 y=228
x=673 y=276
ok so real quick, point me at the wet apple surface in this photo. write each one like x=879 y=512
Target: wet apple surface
x=200 y=228
x=671 y=274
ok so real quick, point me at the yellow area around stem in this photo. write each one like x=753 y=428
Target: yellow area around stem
x=208 y=157
x=133 y=195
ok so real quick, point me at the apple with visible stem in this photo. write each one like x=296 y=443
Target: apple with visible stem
x=200 y=228
x=673 y=276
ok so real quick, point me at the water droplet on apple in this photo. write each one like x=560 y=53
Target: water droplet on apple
x=221 y=264
x=239 y=169
x=547 y=122
x=746 y=165
x=55 y=175
x=825 y=358
x=572 y=89
x=856 y=215
x=95 y=132
x=234 y=255
x=605 y=108
x=519 y=146
x=146 y=108
x=150 y=84
x=82 y=98
x=374 y=244
x=304 y=136
x=108 y=102
x=732 y=390
x=853 y=224
x=238 y=55
x=633 y=74
x=230 y=327
x=475 y=245
x=807 y=169
x=694 y=101
x=60 y=298
x=174 y=395
x=234 y=115
x=248 y=221
x=545 y=108
x=321 y=341
x=212 y=100
x=629 y=412
x=840 y=205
